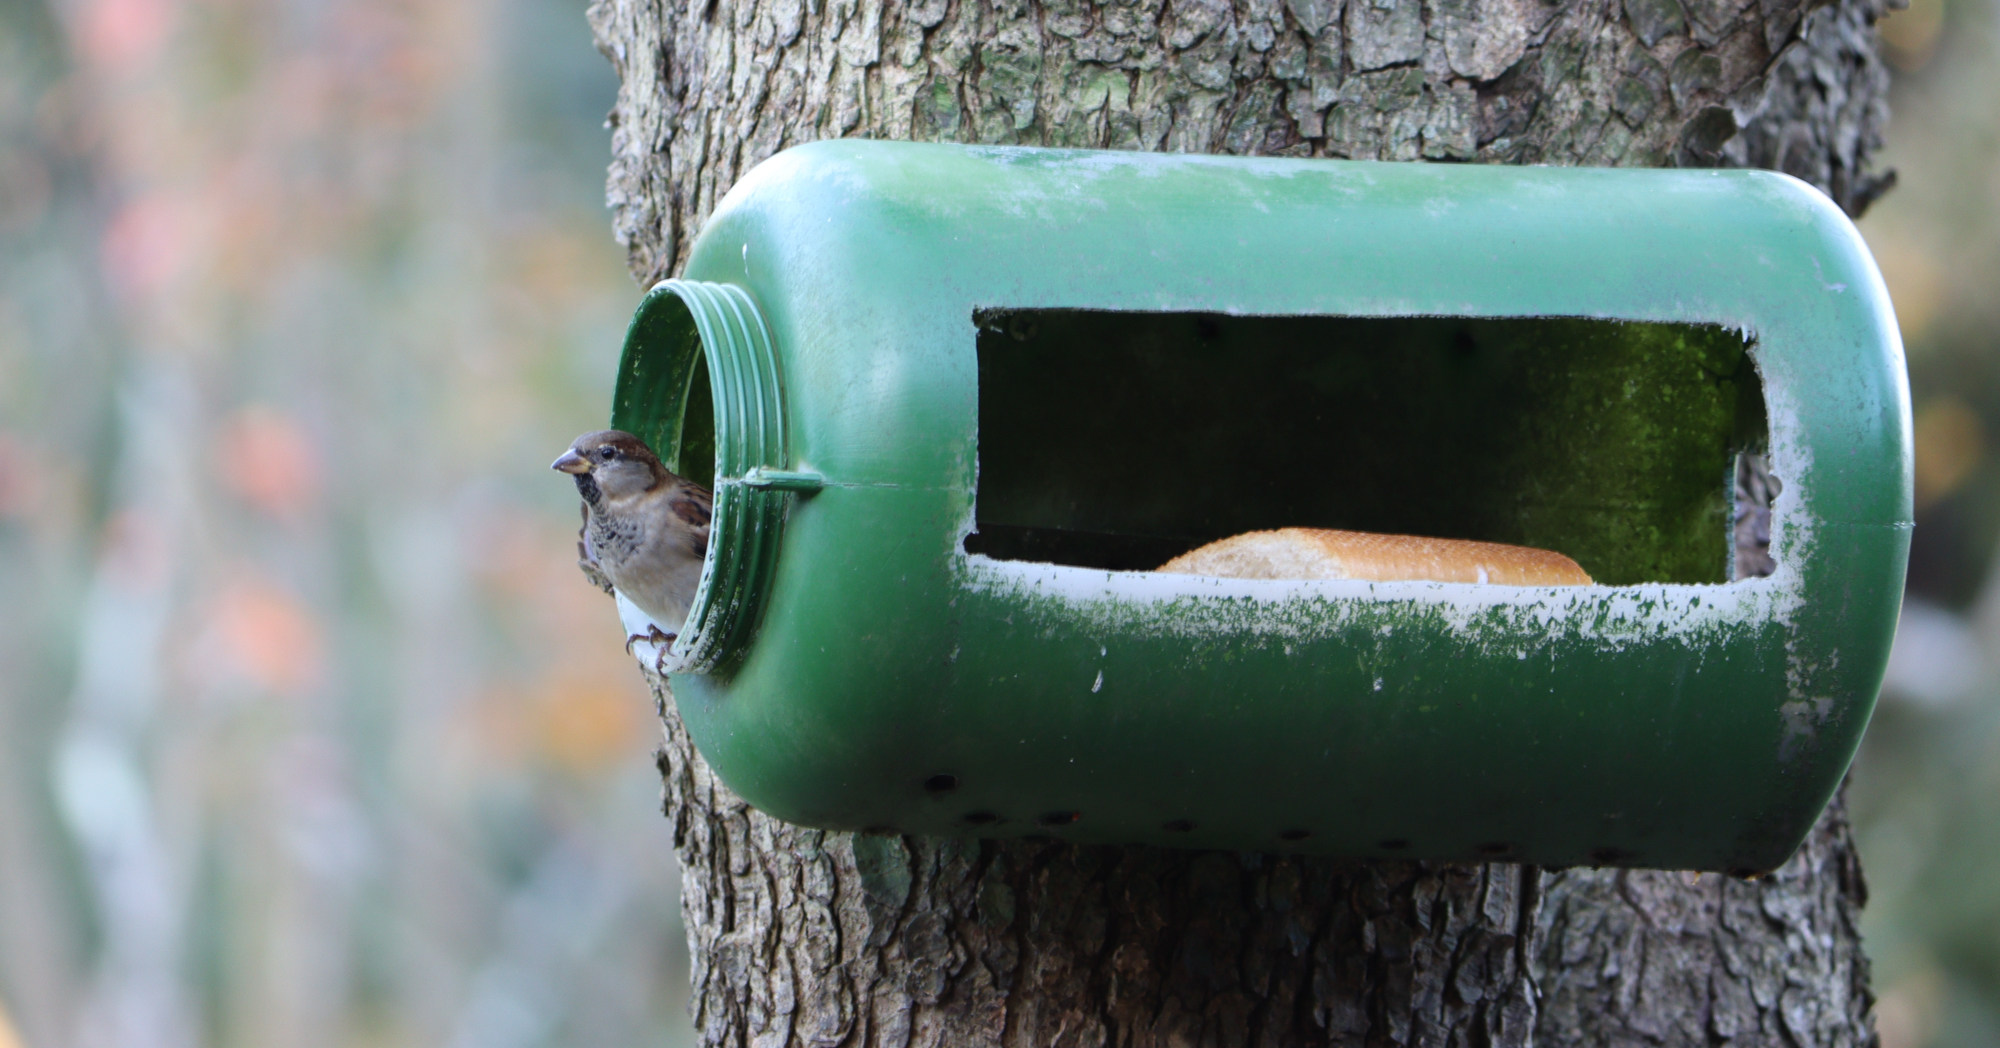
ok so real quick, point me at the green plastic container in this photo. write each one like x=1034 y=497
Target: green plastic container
x=956 y=403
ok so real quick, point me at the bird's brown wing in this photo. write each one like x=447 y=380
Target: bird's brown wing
x=693 y=506
x=586 y=557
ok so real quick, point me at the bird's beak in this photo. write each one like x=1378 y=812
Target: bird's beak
x=571 y=462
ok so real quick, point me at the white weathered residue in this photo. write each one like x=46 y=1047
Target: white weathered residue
x=1497 y=617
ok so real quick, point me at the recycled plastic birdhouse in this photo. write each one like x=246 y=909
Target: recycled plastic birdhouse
x=958 y=402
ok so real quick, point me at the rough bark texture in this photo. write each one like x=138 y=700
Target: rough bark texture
x=711 y=87
x=804 y=937
x=812 y=938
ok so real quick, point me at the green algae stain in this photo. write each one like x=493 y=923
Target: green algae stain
x=1626 y=464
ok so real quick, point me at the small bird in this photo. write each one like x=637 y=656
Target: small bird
x=645 y=530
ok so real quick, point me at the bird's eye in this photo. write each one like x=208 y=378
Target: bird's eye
x=607 y=453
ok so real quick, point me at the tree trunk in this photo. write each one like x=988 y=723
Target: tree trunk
x=813 y=938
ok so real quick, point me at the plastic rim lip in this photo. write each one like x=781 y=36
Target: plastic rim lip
x=752 y=480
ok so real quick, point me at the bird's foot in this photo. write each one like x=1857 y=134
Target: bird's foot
x=666 y=648
x=653 y=635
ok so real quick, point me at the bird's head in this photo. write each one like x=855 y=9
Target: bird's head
x=617 y=464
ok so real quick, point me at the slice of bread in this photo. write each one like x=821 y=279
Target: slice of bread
x=1319 y=553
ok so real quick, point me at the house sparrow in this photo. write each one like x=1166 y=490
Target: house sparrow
x=645 y=530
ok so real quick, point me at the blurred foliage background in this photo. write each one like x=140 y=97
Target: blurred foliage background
x=1926 y=790
x=311 y=734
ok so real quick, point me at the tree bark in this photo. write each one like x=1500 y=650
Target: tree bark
x=804 y=937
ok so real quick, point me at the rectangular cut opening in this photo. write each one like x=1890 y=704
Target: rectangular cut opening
x=1121 y=440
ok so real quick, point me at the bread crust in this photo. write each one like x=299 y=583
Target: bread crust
x=1322 y=553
